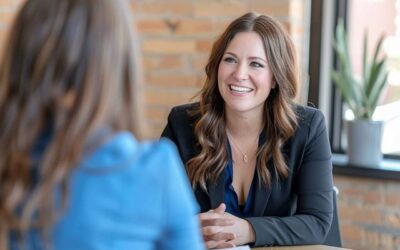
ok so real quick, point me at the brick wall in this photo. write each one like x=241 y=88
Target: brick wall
x=176 y=37
x=369 y=213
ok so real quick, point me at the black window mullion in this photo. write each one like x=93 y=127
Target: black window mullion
x=336 y=128
x=315 y=52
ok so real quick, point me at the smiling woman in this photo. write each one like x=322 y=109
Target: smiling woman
x=259 y=164
x=244 y=76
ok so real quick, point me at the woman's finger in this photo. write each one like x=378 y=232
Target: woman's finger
x=219 y=236
x=224 y=244
x=212 y=244
x=211 y=230
x=210 y=215
x=217 y=222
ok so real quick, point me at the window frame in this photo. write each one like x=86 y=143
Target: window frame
x=322 y=93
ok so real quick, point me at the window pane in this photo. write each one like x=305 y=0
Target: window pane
x=379 y=17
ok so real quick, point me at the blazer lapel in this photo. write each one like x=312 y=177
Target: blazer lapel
x=262 y=193
x=216 y=192
x=261 y=197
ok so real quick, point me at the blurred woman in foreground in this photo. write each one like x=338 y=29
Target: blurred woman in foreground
x=72 y=174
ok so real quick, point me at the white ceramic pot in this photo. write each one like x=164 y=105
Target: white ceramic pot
x=364 y=143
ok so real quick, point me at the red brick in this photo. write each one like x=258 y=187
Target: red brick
x=341 y=181
x=370 y=183
x=150 y=63
x=358 y=183
x=371 y=239
x=156 y=114
x=199 y=63
x=164 y=47
x=210 y=8
x=364 y=197
x=134 y=7
x=171 y=62
x=373 y=198
x=153 y=27
x=168 y=98
x=194 y=27
x=361 y=214
x=221 y=25
x=351 y=232
x=153 y=131
x=204 y=45
x=271 y=7
x=168 y=62
x=387 y=241
x=172 y=80
x=200 y=80
x=163 y=8
x=392 y=200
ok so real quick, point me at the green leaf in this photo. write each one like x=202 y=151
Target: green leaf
x=376 y=73
x=376 y=66
x=361 y=96
x=376 y=92
x=366 y=72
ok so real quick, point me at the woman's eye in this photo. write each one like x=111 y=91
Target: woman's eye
x=229 y=59
x=256 y=65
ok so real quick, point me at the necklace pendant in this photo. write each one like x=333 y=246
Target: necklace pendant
x=245 y=159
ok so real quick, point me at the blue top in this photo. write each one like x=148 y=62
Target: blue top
x=128 y=195
x=230 y=198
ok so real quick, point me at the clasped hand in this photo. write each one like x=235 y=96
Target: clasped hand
x=224 y=230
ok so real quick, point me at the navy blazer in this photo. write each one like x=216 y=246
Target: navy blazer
x=294 y=211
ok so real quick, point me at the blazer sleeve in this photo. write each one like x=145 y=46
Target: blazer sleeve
x=313 y=186
x=168 y=131
x=180 y=130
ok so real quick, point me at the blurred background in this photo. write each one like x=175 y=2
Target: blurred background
x=176 y=37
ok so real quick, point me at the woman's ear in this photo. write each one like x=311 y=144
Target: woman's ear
x=273 y=83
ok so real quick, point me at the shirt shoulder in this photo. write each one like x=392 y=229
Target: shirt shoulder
x=307 y=115
x=122 y=150
x=186 y=112
x=121 y=188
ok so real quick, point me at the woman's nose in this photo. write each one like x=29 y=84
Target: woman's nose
x=241 y=72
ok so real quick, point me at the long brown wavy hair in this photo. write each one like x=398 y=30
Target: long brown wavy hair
x=279 y=115
x=68 y=66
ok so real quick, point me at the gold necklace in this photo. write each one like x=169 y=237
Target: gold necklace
x=244 y=155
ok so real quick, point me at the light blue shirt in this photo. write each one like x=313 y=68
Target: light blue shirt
x=128 y=195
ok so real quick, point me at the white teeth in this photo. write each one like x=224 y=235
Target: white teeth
x=240 y=89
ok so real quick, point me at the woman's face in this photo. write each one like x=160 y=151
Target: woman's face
x=244 y=76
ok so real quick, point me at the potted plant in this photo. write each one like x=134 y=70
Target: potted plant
x=361 y=94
